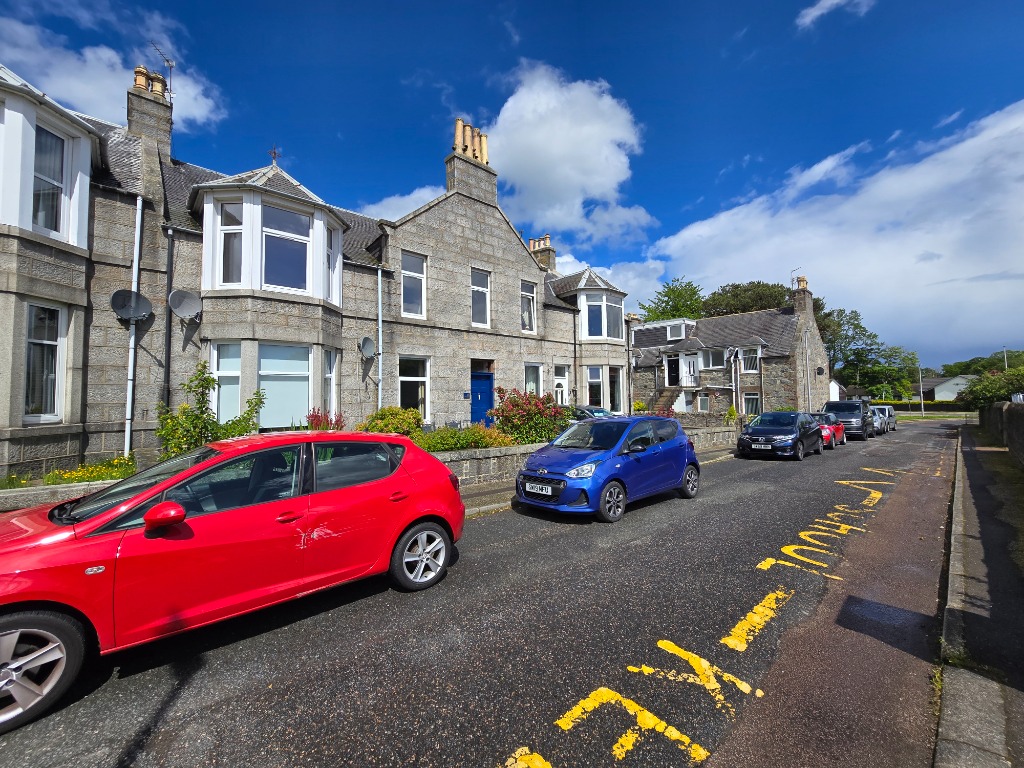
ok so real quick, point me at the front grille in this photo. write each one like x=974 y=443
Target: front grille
x=557 y=486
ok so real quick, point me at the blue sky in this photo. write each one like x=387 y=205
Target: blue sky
x=875 y=146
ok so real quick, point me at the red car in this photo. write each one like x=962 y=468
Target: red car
x=222 y=530
x=833 y=432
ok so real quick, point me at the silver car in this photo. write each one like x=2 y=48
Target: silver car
x=881 y=421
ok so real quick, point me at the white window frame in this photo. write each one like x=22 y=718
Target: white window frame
x=422 y=277
x=261 y=372
x=604 y=302
x=328 y=396
x=222 y=230
x=745 y=356
x=530 y=316
x=678 y=334
x=620 y=388
x=751 y=397
x=63 y=210
x=266 y=231
x=540 y=378
x=703 y=402
x=425 y=379
x=707 y=358
x=332 y=247
x=58 y=383
x=561 y=390
x=486 y=291
x=218 y=373
x=599 y=380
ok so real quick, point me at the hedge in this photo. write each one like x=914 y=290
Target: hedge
x=930 y=406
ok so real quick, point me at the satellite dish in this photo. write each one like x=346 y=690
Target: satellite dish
x=185 y=304
x=129 y=305
x=367 y=348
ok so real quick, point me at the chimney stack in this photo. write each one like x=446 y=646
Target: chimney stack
x=149 y=110
x=467 y=167
x=470 y=142
x=541 y=249
x=803 y=299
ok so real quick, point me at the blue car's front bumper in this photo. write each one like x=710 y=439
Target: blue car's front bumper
x=573 y=495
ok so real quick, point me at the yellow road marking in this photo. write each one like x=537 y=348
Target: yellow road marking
x=873 y=495
x=705 y=674
x=645 y=721
x=524 y=758
x=748 y=627
x=768 y=562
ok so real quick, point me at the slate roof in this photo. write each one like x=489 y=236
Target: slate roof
x=551 y=297
x=362 y=233
x=179 y=178
x=773 y=329
x=579 y=281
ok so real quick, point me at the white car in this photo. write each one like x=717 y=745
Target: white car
x=881 y=421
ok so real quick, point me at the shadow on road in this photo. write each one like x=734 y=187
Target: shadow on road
x=908 y=631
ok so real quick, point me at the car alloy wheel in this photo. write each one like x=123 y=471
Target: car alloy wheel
x=421 y=556
x=41 y=653
x=798 y=450
x=613 y=502
x=691 y=482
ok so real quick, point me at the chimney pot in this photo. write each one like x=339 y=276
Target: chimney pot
x=801 y=283
x=483 y=149
x=159 y=84
x=141 y=78
x=458 y=134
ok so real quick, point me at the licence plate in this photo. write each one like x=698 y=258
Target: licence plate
x=761 y=447
x=535 y=488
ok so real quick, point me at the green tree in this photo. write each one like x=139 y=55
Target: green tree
x=676 y=298
x=734 y=298
x=842 y=332
x=991 y=388
x=886 y=372
x=993 y=363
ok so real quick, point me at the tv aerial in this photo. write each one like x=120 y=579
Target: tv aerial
x=169 y=63
x=130 y=305
x=185 y=305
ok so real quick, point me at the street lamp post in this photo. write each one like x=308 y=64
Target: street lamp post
x=920 y=388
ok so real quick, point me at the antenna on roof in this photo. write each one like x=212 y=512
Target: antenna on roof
x=792 y=277
x=169 y=63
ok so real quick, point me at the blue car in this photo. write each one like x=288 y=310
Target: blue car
x=597 y=465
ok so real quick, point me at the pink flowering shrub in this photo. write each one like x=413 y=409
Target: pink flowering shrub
x=528 y=418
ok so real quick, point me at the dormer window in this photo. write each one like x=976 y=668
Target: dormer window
x=675 y=331
x=252 y=243
x=603 y=317
x=750 y=360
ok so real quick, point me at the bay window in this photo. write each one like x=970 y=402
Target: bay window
x=330 y=356
x=231 y=243
x=595 y=391
x=615 y=389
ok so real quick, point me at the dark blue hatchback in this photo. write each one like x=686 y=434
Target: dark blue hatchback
x=595 y=466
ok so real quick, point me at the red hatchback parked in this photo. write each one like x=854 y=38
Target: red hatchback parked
x=833 y=432
x=225 y=529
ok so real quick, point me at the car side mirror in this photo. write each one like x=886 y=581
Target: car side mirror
x=636 y=447
x=164 y=515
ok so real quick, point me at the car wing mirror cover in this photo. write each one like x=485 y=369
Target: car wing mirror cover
x=637 y=447
x=163 y=515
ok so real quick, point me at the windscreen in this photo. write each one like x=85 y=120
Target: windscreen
x=774 y=420
x=594 y=436
x=849 y=407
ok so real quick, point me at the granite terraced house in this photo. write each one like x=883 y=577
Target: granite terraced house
x=755 y=361
x=274 y=287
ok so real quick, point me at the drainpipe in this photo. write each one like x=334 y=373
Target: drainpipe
x=130 y=397
x=575 y=357
x=380 y=338
x=760 y=370
x=807 y=368
x=167 y=320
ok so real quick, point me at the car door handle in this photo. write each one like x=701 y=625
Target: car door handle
x=398 y=496
x=288 y=517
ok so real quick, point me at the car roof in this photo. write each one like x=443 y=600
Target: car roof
x=246 y=443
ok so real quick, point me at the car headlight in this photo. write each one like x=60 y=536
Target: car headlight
x=586 y=470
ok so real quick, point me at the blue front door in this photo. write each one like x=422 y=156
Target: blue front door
x=481 y=393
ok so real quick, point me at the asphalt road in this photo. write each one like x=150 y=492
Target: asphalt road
x=553 y=641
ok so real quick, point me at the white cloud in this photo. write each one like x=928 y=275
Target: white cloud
x=808 y=16
x=895 y=135
x=928 y=250
x=562 y=150
x=949 y=119
x=95 y=79
x=395 y=207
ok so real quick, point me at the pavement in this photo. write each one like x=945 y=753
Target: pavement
x=981 y=723
x=982 y=718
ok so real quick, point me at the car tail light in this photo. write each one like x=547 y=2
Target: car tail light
x=455 y=480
